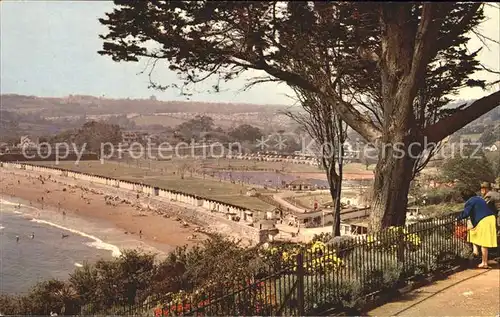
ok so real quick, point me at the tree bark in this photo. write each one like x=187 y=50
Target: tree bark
x=394 y=170
x=461 y=118
x=335 y=184
x=390 y=192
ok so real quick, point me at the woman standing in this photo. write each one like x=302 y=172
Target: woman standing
x=483 y=222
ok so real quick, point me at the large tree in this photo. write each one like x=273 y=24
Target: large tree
x=246 y=132
x=94 y=134
x=399 y=60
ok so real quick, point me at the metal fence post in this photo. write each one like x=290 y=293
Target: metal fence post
x=300 y=284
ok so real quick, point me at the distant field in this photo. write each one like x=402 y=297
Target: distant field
x=225 y=164
x=161 y=120
x=302 y=170
x=281 y=166
x=307 y=201
x=258 y=165
x=168 y=121
x=223 y=191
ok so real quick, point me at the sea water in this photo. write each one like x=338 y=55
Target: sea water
x=27 y=260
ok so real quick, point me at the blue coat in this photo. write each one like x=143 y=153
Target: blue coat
x=475 y=208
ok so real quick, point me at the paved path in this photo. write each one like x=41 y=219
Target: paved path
x=474 y=292
x=280 y=199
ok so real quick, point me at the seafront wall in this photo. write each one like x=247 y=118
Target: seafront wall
x=204 y=210
x=34 y=156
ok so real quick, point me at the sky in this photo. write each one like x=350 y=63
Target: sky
x=49 y=48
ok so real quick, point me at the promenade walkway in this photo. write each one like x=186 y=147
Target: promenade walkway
x=474 y=292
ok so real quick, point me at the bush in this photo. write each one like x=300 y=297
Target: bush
x=374 y=269
x=437 y=196
x=249 y=281
x=45 y=297
x=324 y=237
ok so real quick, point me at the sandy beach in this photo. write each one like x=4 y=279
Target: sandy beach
x=45 y=194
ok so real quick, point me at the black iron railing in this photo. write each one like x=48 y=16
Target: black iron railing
x=310 y=280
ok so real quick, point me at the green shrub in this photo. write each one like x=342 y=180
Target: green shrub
x=441 y=195
x=418 y=263
x=325 y=294
x=446 y=250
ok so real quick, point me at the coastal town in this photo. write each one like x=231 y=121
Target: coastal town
x=222 y=158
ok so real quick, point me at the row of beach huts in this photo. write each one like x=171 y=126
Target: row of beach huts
x=212 y=205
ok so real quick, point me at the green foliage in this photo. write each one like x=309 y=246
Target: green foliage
x=324 y=294
x=301 y=30
x=468 y=170
x=495 y=164
x=92 y=134
x=194 y=127
x=324 y=237
x=134 y=277
x=246 y=281
x=288 y=42
x=441 y=195
x=246 y=132
x=44 y=298
x=490 y=135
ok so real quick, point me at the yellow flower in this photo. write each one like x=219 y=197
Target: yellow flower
x=317 y=246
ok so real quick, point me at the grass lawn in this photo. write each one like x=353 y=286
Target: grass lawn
x=222 y=191
x=235 y=164
x=358 y=168
x=307 y=201
x=258 y=165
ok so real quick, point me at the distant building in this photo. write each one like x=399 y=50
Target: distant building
x=492 y=148
x=301 y=184
x=134 y=136
x=313 y=219
x=26 y=142
x=252 y=192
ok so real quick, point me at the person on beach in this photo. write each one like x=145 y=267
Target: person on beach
x=32 y=236
x=17 y=239
x=483 y=232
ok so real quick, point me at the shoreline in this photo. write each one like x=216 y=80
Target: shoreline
x=49 y=219
x=158 y=232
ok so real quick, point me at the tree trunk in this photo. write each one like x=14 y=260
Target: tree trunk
x=335 y=183
x=394 y=169
x=335 y=192
x=390 y=191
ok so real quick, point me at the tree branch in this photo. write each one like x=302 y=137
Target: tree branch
x=455 y=122
x=361 y=124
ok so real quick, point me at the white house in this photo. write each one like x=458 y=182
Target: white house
x=492 y=148
x=26 y=142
